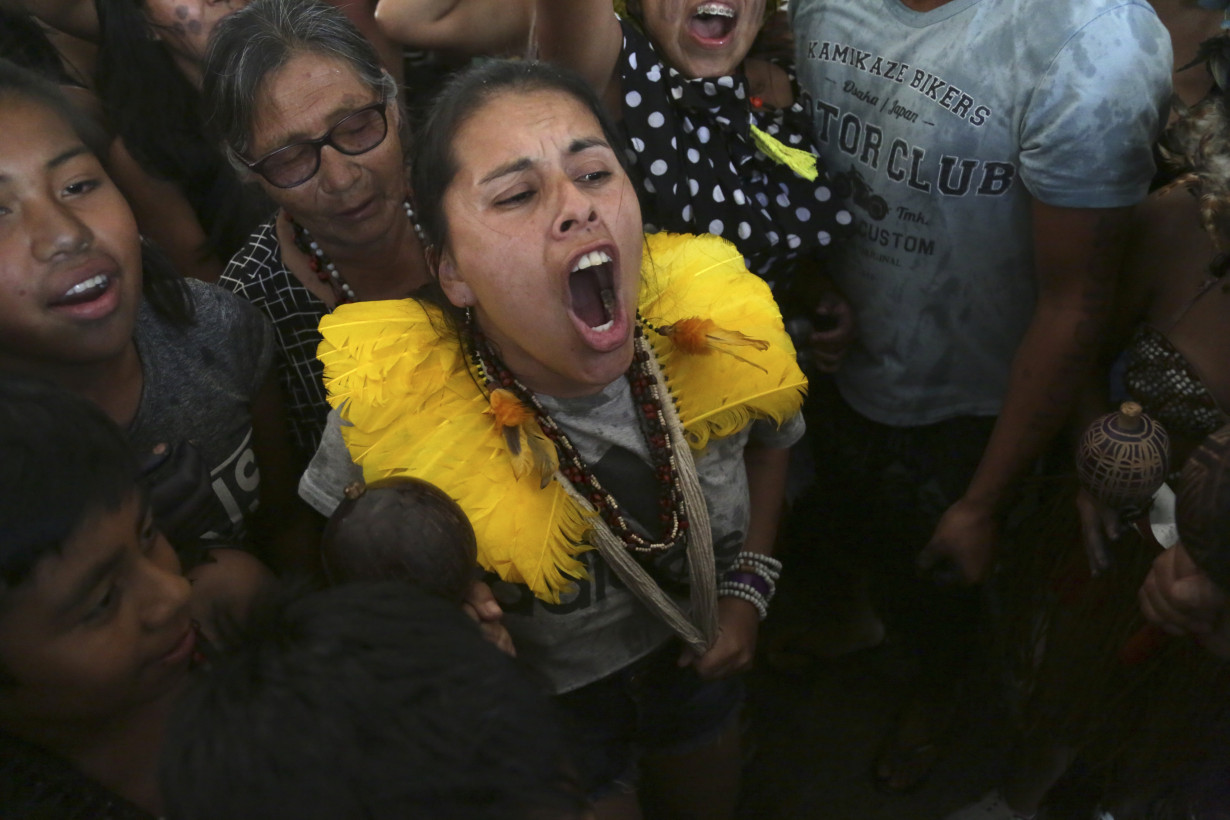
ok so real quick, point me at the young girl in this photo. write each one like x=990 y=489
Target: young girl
x=182 y=366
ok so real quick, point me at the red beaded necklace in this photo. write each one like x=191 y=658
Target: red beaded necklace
x=647 y=398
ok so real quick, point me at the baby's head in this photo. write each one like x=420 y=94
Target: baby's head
x=406 y=531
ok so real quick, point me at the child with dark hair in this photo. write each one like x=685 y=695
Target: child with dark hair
x=367 y=700
x=96 y=623
x=183 y=367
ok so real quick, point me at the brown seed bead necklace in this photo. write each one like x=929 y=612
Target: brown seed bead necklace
x=647 y=398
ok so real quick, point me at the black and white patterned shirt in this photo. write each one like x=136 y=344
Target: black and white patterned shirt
x=700 y=171
x=258 y=275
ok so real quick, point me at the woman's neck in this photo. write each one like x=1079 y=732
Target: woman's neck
x=113 y=384
x=391 y=268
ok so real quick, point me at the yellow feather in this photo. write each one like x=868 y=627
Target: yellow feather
x=685 y=276
x=546 y=457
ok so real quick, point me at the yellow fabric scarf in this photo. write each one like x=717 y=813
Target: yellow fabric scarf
x=413 y=407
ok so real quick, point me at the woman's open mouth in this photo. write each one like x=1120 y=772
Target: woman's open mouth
x=592 y=285
x=594 y=304
x=713 y=23
x=90 y=298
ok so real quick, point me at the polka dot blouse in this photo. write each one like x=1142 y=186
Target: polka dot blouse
x=699 y=170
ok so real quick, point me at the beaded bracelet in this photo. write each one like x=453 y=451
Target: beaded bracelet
x=761 y=564
x=754 y=580
x=730 y=591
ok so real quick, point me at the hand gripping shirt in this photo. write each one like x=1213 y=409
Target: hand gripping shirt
x=940 y=128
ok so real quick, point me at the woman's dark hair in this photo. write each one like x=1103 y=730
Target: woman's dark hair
x=164 y=289
x=249 y=45
x=23 y=41
x=433 y=163
x=156 y=110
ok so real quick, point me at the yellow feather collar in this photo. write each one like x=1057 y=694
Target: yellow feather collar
x=413 y=407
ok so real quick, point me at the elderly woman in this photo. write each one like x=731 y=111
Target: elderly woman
x=611 y=410
x=306 y=109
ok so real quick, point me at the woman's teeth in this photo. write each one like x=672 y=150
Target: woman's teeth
x=88 y=284
x=592 y=287
x=590 y=259
x=714 y=10
x=713 y=21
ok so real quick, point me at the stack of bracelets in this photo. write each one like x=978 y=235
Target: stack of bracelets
x=754 y=580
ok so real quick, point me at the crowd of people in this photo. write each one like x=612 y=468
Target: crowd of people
x=537 y=319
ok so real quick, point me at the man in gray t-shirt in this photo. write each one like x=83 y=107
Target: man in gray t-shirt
x=990 y=150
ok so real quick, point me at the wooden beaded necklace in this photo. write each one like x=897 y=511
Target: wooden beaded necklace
x=647 y=399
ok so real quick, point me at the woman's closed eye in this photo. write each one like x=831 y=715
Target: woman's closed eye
x=105 y=605
x=516 y=198
x=149 y=534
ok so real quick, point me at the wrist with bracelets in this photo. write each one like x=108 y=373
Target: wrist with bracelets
x=754 y=580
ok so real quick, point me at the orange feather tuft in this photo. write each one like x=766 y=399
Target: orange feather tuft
x=508 y=409
x=698 y=336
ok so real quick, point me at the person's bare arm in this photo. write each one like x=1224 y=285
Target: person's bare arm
x=1078 y=253
x=583 y=35
x=165 y=216
x=75 y=17
x=363 y=14
x=286 y=529
x=738 y=620
x=464 y=26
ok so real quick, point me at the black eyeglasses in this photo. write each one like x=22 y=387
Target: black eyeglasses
x=294 y=164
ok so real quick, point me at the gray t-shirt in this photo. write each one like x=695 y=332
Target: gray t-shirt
x=940 y=126
x=200 y=382
x=600 y=627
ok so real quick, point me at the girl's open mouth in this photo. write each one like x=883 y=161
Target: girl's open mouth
x=91 y=298
x=712 y=22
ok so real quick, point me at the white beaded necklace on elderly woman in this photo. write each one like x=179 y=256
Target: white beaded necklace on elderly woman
x=324 y=268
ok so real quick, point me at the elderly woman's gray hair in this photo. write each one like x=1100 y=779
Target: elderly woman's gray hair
x=254 y=42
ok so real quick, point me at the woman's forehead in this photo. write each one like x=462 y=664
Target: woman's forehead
x=36 y=132
x=305 y=94
x=518 y=121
